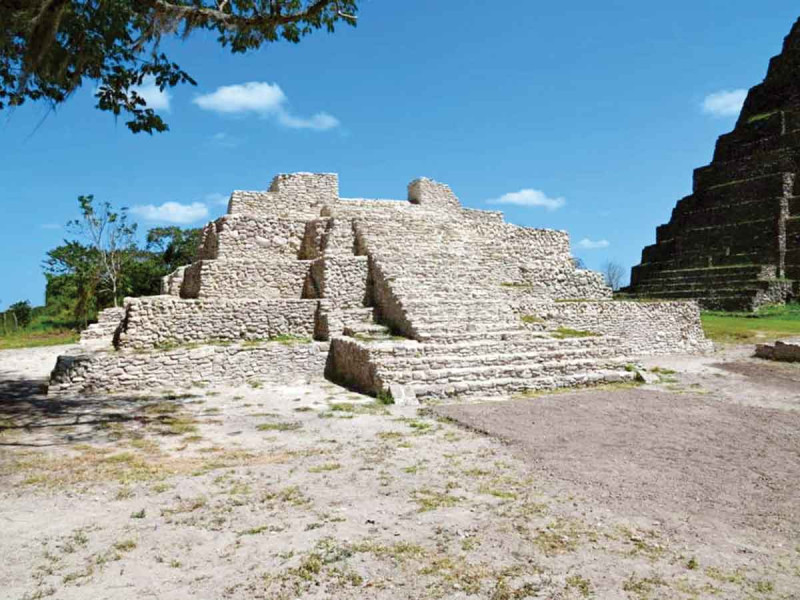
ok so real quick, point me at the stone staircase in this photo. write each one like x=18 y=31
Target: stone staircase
x=719 y=288
x=460 y=335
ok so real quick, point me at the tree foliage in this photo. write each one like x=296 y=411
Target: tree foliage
x=109 y=237
x=105 y=264
x=48 y=48
x=22 y=312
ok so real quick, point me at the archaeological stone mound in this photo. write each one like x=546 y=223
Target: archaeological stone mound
x=421 y=298
x=734 y=243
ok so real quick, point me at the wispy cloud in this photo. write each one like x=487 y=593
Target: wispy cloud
x=264 y=99
x=155 y=98
x=727 y=103
x=172 y=212
x=529 y=197
x=588 y=244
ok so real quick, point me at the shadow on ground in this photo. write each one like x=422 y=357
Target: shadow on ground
x=54 y=421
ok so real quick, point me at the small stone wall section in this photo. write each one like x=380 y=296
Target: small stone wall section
x=643 y=328
x=282 y=277
x=164 y=321
x=107 y=322
x=236 y=364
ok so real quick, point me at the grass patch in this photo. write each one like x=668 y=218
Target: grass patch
x=33 y=339
x=292 y=426
x=428 y=499
x=565 y=332
x=290 y=340
x=355 y=408
x=531 y=319
x=769 y=322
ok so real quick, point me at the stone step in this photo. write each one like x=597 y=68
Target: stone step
x=523 y=370
x=590 y=373
x=371 y=329
x=427 y=366
x=656 y=286
x=524 y=342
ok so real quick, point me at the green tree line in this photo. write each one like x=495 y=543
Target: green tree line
x=99 y=264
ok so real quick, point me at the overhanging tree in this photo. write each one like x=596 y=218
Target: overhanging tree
x=48 y=48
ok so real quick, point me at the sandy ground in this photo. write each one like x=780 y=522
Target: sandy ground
x=689 y=488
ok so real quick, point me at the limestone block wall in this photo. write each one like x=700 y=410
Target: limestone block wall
x=107 y=322
x=289 y=195
x=164 y=320
x=241 y=236
x=171 y=284
x=209 y=242
x=353 y=365
x=643 y=328
x=235 y=364
x=561 y=281
x=340 y=279
x=522 y=243
x=280 y=277
x=429 y=193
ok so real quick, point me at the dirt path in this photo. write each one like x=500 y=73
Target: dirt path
x=310 y=491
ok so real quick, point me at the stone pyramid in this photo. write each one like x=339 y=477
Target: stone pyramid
x=734 y=243
x=422 y=298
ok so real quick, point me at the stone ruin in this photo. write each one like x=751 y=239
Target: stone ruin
x=779 y=351
x=422 y=298
x=734 y=243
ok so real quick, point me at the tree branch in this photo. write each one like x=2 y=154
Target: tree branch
x=236 y=21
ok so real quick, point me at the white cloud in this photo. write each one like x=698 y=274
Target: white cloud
x=529 y=197
x=725 y=103
x=265 y=99
x=320 y=121
x=254 y=96
x=155 y=98
x=172 y=212
x=588 y=244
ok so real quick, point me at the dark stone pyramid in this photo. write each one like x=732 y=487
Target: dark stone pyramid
x=734 y=244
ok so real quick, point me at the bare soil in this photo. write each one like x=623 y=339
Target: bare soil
x=684 y=489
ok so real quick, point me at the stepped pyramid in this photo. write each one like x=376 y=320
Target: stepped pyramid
x=734 y=244
x=422 y=298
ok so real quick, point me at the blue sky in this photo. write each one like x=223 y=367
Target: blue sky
x=577 y=116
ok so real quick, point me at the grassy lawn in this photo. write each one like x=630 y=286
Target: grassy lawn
x=31 y=339
x=769 y=323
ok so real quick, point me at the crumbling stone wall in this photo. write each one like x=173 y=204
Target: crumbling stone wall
x=643 y=328
x=107 y=322
x=165 y=320
x=235 y=364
